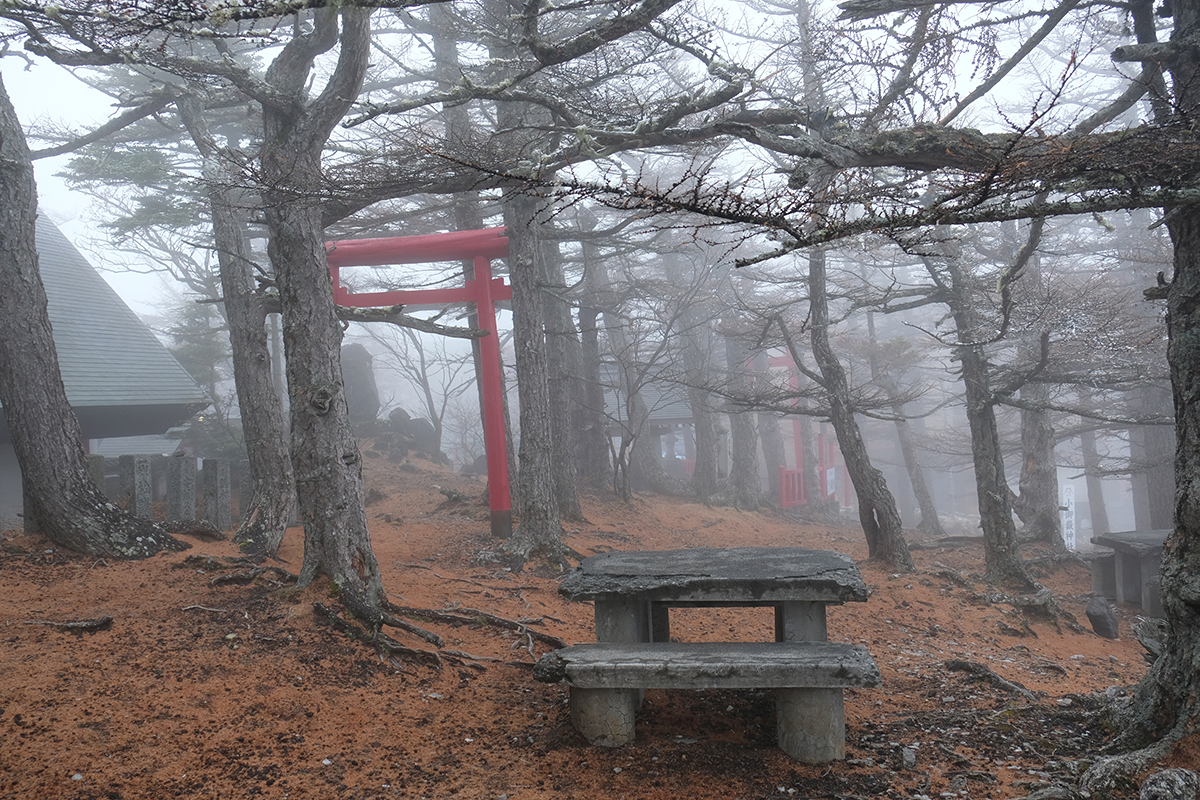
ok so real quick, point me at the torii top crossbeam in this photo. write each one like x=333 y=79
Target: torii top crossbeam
x=480 y=247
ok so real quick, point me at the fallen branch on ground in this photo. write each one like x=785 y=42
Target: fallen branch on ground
x=991 y=677
x=90 y=625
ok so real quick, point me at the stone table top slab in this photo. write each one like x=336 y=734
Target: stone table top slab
x=1138 y=543
x=718 y=575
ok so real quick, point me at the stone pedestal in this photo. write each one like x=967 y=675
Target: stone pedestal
x=605 y=717
x=811 y=724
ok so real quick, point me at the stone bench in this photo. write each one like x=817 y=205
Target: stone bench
x=606 y=680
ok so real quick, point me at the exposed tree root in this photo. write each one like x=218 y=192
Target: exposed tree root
x=1109 y=774
x=1056 y=558
x=199 y=528
x=1039 y=604
x=991 y=677
x=250 y=575
x=952 y=575
x=383 y=643
x=471 y=616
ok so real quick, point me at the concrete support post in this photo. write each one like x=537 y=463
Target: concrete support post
x=660 y=622
x=1104 y=574
x=181 y=488
x=622 y=619
x=217 y=494
x=605 y=717
x=800 y=622
x=810 y=724
x=137 y=488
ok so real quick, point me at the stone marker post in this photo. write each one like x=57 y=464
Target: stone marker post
x=136 y=486
x=95 y=463
x=217 y=494
x=181 y=488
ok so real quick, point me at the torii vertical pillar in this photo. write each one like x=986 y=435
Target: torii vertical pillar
x=480 y=247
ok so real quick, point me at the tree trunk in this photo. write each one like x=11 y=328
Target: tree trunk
x=1002 y=555
x=876 y=505
x=929 y=523
x=465 y=208
x=596 y=462
x=1151 y=451
x=325 y=456
x=1003 y=564
x=268 y=508
x=46 y=437
x=1168 y=700
x=1037 y=501
x=704 y=419
x=562 y=365
x=744 y=485
x=1094 y=482
x=540 y=531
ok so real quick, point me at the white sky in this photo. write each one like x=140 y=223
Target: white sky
x=46 y=92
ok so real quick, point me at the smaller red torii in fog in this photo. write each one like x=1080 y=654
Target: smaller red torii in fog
x=479 y=247
x=792 y=491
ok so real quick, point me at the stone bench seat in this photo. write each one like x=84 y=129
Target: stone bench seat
x=606 y=680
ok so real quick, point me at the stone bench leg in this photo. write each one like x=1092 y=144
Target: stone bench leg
x=605 y=717
x=810 y=724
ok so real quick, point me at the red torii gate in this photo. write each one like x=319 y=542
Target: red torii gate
x=480 y=247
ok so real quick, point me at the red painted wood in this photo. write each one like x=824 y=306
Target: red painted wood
x=481 y=246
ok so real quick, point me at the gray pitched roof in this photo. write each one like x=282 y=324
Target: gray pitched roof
x=119 y=377
x=667 y=402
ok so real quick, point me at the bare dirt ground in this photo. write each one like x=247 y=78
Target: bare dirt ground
x=231 y=691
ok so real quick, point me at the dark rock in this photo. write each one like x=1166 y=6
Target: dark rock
x=1100 y=614
x=476 y=467
x=358 y=376
x=398 y=419
x=423 y=434
x=1171 y=784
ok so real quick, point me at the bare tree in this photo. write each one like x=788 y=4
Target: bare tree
x=437 y=375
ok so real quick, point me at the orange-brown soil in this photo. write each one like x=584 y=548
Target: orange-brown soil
x=232 y=691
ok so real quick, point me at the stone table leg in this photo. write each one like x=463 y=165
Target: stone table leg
x=810 y=724
x=605 y=717
x=1121 y=568
x=800 y=622
x=622 y=619
x=618 y=619
x=660 y=622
